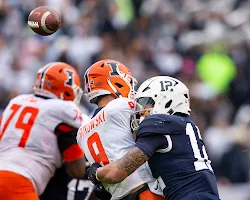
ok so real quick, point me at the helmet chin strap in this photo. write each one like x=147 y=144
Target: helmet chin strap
x=114 y=89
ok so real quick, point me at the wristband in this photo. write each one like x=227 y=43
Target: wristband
x=96 y=175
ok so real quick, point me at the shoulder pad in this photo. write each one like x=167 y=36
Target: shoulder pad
x=161 y=124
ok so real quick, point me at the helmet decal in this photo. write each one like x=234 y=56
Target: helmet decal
x=113 y=66
x=43 y=74
x=70 y=80
x=169 y=84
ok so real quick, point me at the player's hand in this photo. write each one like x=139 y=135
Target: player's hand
x=99 y=191
x=91 y=173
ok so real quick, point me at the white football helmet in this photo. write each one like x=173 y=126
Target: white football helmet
x=166 y=94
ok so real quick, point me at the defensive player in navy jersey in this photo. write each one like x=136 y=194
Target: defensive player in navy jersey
x=63 y=187
x=169 y=140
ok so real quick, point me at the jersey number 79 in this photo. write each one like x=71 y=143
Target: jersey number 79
x=24 y=122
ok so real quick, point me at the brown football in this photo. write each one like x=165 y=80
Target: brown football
x=44 y=21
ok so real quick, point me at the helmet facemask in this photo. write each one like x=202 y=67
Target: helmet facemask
x=143 y=109
x=77 y=93
x=132 y=82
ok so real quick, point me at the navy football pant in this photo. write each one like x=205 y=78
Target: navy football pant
x=201 y=196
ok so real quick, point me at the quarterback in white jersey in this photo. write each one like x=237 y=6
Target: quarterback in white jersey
x=36 y=129
x=107 y=137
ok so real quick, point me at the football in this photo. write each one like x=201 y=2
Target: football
x=44 y=21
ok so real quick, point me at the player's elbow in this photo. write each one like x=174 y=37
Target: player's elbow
x=76 y=168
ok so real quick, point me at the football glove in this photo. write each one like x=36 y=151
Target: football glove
x=91 y=173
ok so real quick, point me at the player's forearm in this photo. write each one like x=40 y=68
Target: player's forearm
x=76 y=168
x=110 y=174
x=119 y=170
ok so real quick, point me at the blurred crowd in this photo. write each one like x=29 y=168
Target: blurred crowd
x=205 y=43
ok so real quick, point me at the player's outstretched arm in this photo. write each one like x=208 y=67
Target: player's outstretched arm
x=76 y=168
x=71 y=152
x=146 y=145
x=119 y=170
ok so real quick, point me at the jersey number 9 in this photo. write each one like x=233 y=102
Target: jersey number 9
x=96 y=149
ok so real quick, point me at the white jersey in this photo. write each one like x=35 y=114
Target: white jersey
x=107 y=138
x=28 y=143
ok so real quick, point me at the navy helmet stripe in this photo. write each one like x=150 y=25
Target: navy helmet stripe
x=43 y=74
x=87 y=80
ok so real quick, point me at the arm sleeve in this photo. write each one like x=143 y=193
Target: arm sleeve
x=151 y=143
x=161 y=124
x=66 y=137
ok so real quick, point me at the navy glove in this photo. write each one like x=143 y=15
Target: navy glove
x=91 y=173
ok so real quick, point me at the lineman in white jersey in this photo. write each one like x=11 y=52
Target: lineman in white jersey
x=36 y=129
x=107 y=137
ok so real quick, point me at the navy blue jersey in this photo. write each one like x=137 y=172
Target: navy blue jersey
x=63 y=187
x=178 y=159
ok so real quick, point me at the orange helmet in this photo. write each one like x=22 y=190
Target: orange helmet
x=109 y=77
x=58 y=80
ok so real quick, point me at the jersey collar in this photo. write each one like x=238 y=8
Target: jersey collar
x=97 y=111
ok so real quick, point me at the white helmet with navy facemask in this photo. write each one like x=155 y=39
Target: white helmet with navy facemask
x=167 y=95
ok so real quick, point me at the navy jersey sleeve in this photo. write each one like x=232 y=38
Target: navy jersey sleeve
x=150 y=136
x=149 y=144
x=160 y=124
